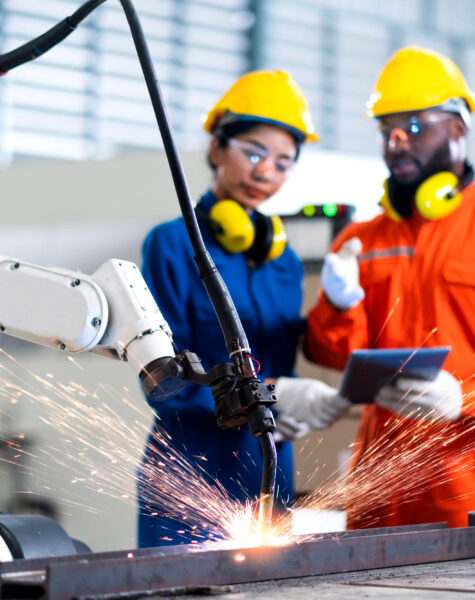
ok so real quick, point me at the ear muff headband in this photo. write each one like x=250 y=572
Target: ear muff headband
x=261 y=240
x=436 y=198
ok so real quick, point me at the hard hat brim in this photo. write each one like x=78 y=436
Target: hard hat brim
x=211 y=124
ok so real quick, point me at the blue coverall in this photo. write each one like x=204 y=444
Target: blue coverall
x=268 y=299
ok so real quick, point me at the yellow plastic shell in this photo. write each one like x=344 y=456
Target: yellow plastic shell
x=280 y=239
x=438 y=196
x=270 y=96
x=386 y=205
x=236 y=229
x=415 y=79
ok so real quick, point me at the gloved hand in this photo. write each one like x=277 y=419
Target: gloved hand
x=440 y=399
x=340 y=276
x=309 y=401
x=289 y=429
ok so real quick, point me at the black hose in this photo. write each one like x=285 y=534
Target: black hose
x=235 y=337
x=218 y=293
x=47 y=40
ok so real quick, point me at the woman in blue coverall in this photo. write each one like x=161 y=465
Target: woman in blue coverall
x=257 y=130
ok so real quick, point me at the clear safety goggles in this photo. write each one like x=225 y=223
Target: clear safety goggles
x=257 y=156
x=412 y=127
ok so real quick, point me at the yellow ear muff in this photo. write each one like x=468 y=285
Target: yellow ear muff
x=279 y=240
x=387 y=206
x=438 y=196
x=234 y=229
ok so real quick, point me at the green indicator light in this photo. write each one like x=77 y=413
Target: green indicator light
x=309 y=211
x=330 y=210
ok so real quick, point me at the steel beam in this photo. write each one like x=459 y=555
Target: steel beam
x=158 y=569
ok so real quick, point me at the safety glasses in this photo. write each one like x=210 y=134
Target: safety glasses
x=412 y=127
x=257 y=156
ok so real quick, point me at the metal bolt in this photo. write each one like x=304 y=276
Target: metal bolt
x=75 y=282
x=96 y=322
x=61 y=346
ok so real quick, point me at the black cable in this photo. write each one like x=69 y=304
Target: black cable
x=216 y=288
x=47 y=40
x=235 y=337
x=236 y=341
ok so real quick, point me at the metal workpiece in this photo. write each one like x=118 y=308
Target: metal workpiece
x=156 y=569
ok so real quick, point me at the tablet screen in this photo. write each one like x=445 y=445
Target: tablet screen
x=368 y=370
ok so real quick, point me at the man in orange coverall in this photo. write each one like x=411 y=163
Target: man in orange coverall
x=407 y=279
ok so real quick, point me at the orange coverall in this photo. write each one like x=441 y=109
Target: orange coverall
x=419 y=281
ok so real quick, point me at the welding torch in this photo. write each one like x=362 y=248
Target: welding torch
x=240 y=397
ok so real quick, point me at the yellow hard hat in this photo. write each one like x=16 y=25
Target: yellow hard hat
x=415 y=79
x=265 y=96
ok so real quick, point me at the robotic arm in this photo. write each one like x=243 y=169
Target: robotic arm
x=113 y=313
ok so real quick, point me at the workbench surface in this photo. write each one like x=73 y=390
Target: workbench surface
x=454 y=580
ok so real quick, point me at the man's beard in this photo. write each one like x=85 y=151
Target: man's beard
x=402 y=194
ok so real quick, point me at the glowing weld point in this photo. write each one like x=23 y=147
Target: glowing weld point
x=130 y=555
x=239 y=557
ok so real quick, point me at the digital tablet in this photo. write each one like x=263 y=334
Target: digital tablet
x=368 y=370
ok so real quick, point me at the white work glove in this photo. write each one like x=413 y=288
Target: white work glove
x=440 y=399
x=309 y=401
x=289 y=429
x=340 y=276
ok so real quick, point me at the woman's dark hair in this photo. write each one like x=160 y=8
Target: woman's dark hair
x=225 y=132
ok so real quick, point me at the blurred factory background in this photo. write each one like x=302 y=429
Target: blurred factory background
x=84 y=176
